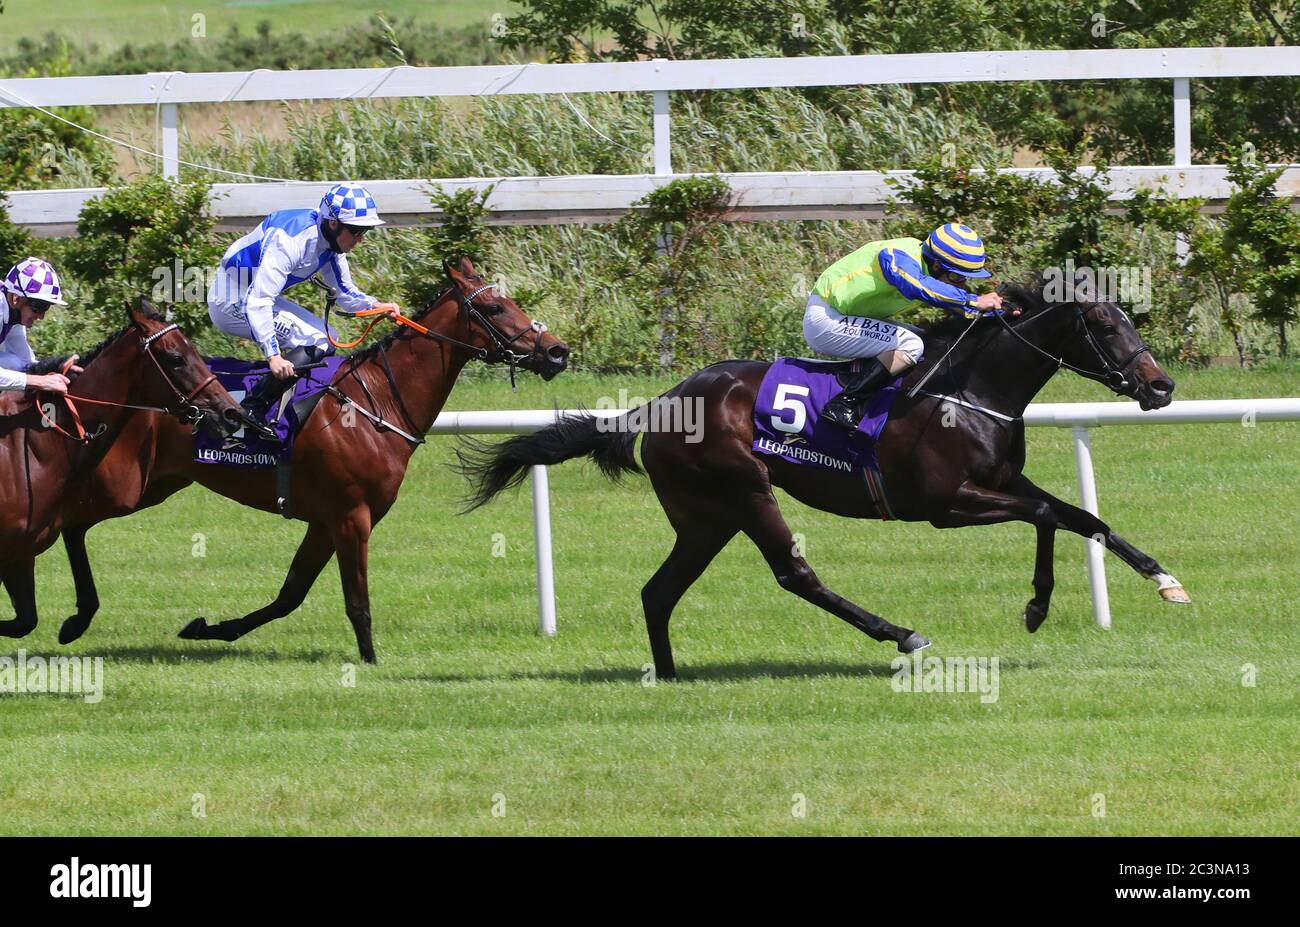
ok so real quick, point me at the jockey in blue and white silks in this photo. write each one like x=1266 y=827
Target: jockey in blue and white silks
x=30 y=288
x=286 y=249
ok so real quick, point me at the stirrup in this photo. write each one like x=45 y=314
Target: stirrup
x=842 y=413
x=253 y=421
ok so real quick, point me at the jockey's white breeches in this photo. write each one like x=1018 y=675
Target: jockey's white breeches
x=294 y=325
x=828 y=332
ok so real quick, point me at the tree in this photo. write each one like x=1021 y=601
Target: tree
x=1264 y=231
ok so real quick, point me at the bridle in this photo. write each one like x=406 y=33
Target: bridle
x=504 y=347
x=1114 y=374
x=189 y=412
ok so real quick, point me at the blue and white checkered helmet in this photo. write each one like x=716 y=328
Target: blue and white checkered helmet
x=351 y=204
x=35 y=279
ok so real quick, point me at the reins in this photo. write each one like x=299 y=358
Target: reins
x=193 y=414
x=502 y=347
x=1112 y=374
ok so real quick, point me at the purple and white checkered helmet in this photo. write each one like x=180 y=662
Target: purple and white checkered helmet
x=35 y=279
x=350 y=204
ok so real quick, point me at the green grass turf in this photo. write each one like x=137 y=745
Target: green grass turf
x=469 y=705
x=111 y=23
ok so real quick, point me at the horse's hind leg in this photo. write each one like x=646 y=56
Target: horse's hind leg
x=697 y=544
x=20 y=581
x=767 y=529
x=74 y=542
x=313 y=553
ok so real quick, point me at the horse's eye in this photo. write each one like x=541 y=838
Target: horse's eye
x=1109 y=330
x=174 y=360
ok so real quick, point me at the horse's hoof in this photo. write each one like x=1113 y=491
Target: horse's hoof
x=14 y=628
x=912 y=643
x=1035 y=615
x=194 y=630
x=1176 y=594
x=72 y=629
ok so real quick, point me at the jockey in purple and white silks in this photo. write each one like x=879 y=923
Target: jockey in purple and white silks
x=286 y=249
x=30 y=288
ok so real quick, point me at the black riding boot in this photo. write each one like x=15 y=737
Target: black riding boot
x=269 y=390
x=847 y=408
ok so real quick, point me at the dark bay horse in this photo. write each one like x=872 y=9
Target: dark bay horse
x=150 y=363
x=952 y=455
x=346 y=470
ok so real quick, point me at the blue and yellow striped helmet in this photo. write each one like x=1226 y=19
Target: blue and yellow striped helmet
x=957 y=249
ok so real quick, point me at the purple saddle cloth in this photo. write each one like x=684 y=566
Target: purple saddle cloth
x=249 y=450
x=787 y=417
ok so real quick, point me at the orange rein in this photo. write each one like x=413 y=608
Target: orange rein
x=379 y=315
x=72 y=411
x=81 y=434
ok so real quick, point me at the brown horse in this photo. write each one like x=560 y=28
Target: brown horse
x=147 y=364
x=347 y=463
x=951 y=455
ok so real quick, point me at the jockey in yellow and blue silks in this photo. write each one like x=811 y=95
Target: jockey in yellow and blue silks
x=851 y=300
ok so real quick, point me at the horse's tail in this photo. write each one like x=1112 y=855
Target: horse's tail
x=492 y=468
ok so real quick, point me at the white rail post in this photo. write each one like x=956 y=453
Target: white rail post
x=542 y=537
x=1093 y=550
x=171 y=147
x=1182 y=141
x=663 y=131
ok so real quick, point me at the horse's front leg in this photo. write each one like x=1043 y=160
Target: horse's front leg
x=974 y=505
x=352 y=544
x=20 y=581
x=74 y=542
x=1088 y=525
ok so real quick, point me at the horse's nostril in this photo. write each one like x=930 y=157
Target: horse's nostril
x=558 y=354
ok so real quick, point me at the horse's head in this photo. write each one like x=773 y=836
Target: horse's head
x=500 y=328
x=177 y=378
x=1099 y=340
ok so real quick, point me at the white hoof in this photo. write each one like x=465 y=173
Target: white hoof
x=1176 y=594
x=1171 y=590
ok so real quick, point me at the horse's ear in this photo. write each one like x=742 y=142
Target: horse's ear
x=459 y=269
x=139 y=312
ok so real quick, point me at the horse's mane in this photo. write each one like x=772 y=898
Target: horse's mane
x=1026 y=295
x=49 y=365
x=359 y=357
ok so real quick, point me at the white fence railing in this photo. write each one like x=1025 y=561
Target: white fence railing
x=564 y=199
x=1078 y=416
x=597 y=198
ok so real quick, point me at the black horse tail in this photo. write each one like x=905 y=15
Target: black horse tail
x=493 y=468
